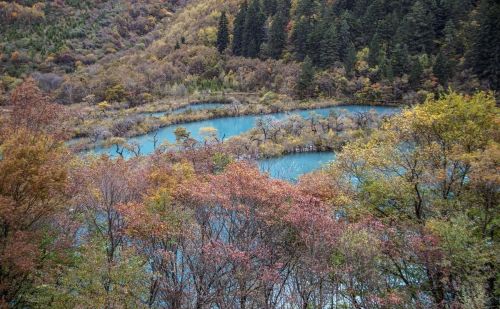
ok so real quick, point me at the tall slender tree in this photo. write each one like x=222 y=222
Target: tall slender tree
x=329 y=47
x=223 y=33
x=305 y=87
x=253 y=33
x=239 y=28
x=277 y=35
x=484 y=55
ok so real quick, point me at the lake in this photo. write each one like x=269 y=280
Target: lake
x=231 y=126
x=291 y=167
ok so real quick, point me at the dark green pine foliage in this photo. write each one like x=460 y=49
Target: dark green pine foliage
x=485 y=53
x=300 y=37
x=305 y=85
x=399 y=60
x=253 y=32
x=314 y=39
x=416 y=71
x=343 y=39
x=375 y=47
x=269 y=7
x=329 y=50
x=305 y=8
x=238 y=31
x=419 y=29
x=302 y=34
x=384 y=65
x=277 y=35
x=374 y=13
x=350 y=60
x=222 y=33
x=442 y=69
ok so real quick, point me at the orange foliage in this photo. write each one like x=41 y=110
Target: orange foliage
x=32 y=109
x=32 y=186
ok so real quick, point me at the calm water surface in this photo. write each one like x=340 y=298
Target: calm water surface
x=292 y=166
x=232 y=126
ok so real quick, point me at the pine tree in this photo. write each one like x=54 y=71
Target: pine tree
x=305 y=83
x=344 y=39
x=416 y=72
x=223 y=33
x=399 y=59
x=329 y=49
x=269 y=7
x=299 y=38
x=442 y=69
x=277 y=36
x=253 y=33
x=484 y=55
x=239 y=27
x=375 y=47
x=350 y=59
x=314 y=38
x=420 y=36
x=305 y=8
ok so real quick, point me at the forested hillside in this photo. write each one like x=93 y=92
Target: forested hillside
x=250 y=154
x=369 y=51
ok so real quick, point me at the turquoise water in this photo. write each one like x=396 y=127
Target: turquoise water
x=291 y=167
x=232 y=126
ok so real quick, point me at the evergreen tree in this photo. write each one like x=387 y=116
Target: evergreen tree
x=253 y=33
x=384 y=65
x=344 y=39
x=420 y=31
x=223 y=33
x=399 y=60
x=416 y=72
x=375 y=47
x=239 y=27
x=305 y=84
x=442 y=69
x=277 y=36
x=305 y=8
x=269 y=7
x=329 y=47
x=299 y=38
x=314 y=38
x=350 y=59
x=484 y=55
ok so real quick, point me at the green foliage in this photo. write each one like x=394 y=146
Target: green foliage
x=239 y=29
x=222 y=33
x=116 y=93
x=253 y=31
x=305 y=86
x=94 y=282
x=485 y=49
x=277 y=35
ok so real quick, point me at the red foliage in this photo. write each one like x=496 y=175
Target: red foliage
x=32 y=109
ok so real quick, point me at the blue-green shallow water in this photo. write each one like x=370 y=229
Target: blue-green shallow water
x=232 y=126
x=291 y=167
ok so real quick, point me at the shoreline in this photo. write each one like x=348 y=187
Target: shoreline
x=251 y=109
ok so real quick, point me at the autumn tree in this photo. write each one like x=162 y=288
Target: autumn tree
x=33 y=173
x=415 y=174
x=32 y=109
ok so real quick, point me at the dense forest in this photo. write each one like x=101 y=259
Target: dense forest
x=136 y=138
